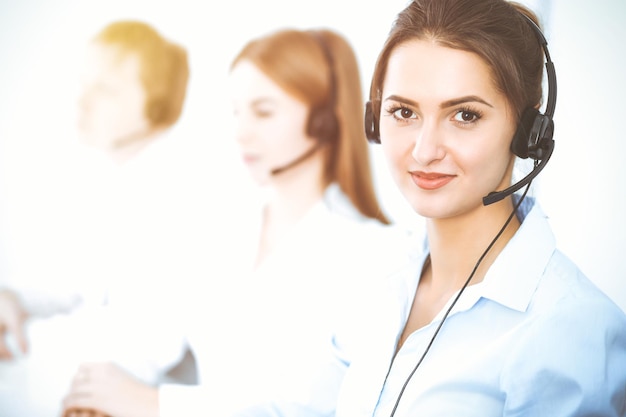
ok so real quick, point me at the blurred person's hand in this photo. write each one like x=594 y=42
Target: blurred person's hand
x=104 y=387
x=12 y=317
x=82 y=412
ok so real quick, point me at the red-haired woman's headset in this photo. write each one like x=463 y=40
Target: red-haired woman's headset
x=532 y=139
x=323 y=123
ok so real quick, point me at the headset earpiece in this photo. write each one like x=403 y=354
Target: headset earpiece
x=323 y=124
x=521 y=139
x=533 y=135
x=371 y=124
x=543 y=130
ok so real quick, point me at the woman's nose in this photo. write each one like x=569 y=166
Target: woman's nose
x=243 y=130
x=428 y=145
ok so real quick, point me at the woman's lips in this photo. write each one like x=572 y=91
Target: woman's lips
x=430 y=180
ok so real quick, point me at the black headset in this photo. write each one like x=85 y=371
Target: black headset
x=533 y=137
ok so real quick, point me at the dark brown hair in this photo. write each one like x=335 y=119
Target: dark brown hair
x=495 y=30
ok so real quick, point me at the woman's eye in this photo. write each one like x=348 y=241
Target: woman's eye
x=403 y=113
x=263 y=113
x=466 y=116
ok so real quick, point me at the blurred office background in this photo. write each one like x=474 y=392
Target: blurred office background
x=41 y=45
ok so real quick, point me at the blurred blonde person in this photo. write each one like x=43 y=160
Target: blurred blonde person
x=134 y=88
x=288 y=259
x=132 y=95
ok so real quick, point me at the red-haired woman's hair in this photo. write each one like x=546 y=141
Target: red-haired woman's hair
x=319 y=68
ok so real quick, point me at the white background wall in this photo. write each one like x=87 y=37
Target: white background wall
x=41 y=43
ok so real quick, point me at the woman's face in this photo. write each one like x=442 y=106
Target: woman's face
x=270 y=123
x=112 y=100
x=445 y=128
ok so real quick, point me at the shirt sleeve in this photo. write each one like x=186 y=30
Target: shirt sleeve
x=316 y=398
x=42 y=299
x=376 y=260
x=199 y=401
x=183 y=400
x=40 y=303
x=143 y=341
x=317 y=394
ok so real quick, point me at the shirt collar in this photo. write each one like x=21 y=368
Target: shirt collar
x=514 y=276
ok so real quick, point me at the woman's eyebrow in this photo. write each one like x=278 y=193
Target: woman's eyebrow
x=448 y=103
x=467 y=99
x=402 y=100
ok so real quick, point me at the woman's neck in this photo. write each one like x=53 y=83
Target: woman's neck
x=291 y=196
x=457 y=244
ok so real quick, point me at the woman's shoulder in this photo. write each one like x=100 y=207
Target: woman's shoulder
x=568 y=303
